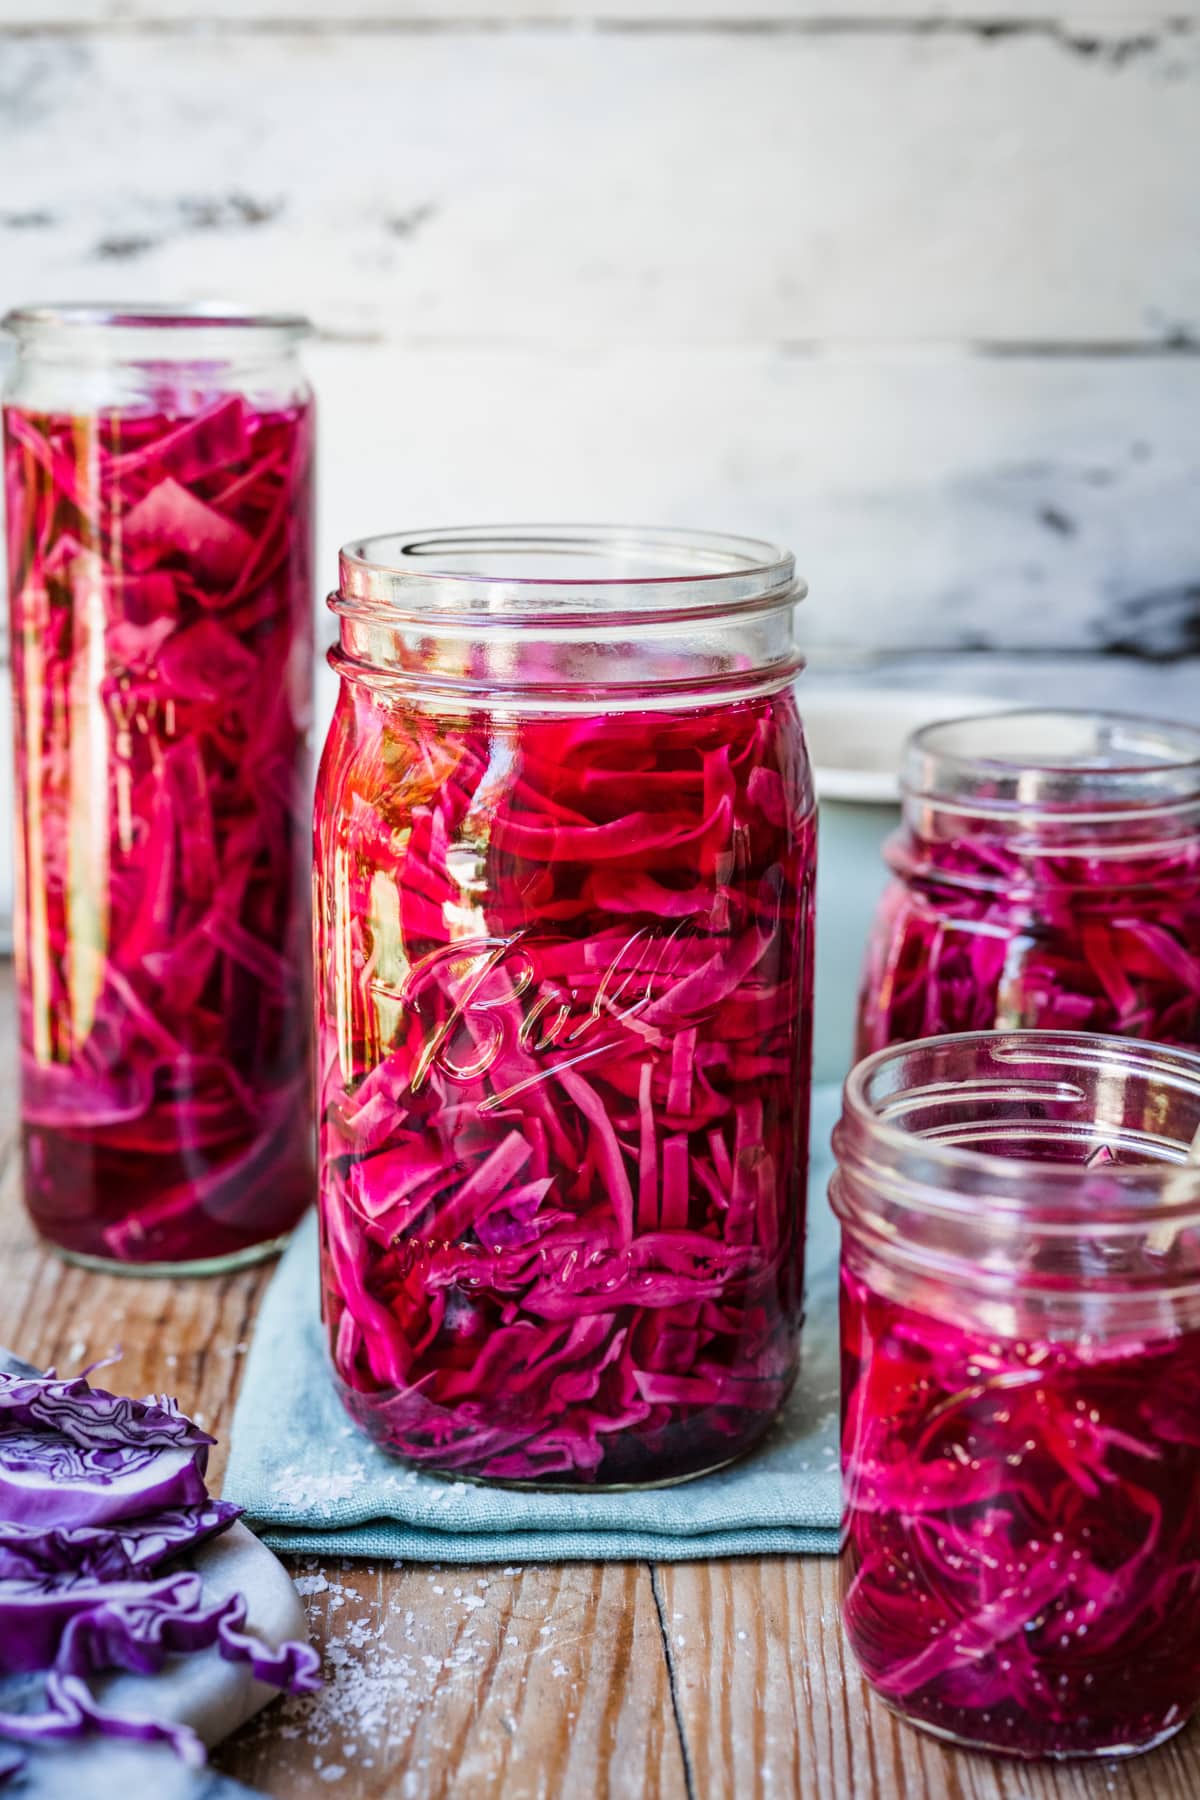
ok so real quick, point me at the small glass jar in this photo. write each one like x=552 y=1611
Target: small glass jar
x=1021 y=1388
x=158 y=485
x=565 y=858
x=1047 y=876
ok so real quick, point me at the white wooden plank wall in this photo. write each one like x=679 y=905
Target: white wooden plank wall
x=744 y=15
x=549 y=188
x=913 y=285
x=924 y=303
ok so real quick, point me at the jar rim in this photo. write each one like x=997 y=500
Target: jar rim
x=1052 y=760
x=562 y=574
x=872 y=1136
x=71 y=319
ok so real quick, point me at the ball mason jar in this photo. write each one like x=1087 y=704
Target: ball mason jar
x=1046 y=876
x=158 y=486
x=564 y=892
x=1020 y=1309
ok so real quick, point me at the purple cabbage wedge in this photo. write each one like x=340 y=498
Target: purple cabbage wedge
x=116 y=1551
x=91 y=1417
x=99 y=1495
x=47 y=1481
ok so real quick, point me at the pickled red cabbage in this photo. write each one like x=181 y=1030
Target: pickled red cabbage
x=564 y=979
x=159 y=578
x=1021 y=1562
x=974 y=935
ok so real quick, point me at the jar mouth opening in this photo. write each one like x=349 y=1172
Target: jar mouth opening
x=1038 y=761
x=562 y=574
x=1026 y=1084
x=71 y=322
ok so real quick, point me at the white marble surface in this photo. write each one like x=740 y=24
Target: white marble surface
x=1164 y=690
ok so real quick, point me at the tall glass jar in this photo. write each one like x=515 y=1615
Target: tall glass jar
x=158 y=487
x=565 y=860
x=1021 y=1388
x=1047 y=875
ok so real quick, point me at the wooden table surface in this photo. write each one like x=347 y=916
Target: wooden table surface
x=697 y=1680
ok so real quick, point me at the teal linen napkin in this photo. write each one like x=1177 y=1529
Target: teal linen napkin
x=312 y=1483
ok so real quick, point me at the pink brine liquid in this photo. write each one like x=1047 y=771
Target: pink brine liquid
x=564 y=980
x=1021 y=1563
x=159 y=569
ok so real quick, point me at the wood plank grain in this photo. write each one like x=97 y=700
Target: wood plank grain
x=771 y=1704
x=589 y=188
x=521 y=1684
x=526 y=1684
x=727 y=1681
x=186 y=1337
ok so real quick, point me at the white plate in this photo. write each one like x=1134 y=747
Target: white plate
x=856 y=735
x=856 y=738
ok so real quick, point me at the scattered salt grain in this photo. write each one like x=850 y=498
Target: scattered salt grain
x=306 y=1490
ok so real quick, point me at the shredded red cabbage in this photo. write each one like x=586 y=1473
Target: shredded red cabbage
x=977 y=934
x=95 y=1503
x=564 y=1070
x=1021 y=1564
x=159 y=574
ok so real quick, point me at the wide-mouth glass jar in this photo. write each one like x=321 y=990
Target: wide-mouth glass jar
x=1021 y=1388
x=158 y=487
x=1047 y=876
x=565 y=859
